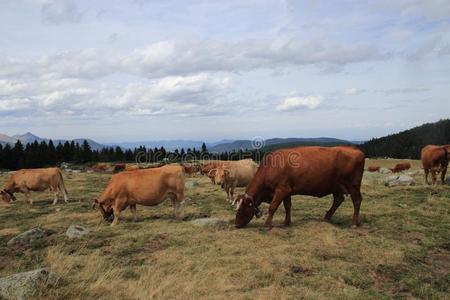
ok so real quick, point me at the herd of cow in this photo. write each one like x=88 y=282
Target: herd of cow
x=312 y=171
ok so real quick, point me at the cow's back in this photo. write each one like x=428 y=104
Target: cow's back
x=242 y=171
x=35 y=178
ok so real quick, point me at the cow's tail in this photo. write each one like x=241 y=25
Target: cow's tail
x=62 y=186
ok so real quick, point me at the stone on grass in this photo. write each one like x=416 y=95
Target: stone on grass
x=209 y=222
x=24 y=285
x=27 y=237
x=189 y=184
x=399 y=180
x=384 y=171
x=76 y=231
x=447 y=180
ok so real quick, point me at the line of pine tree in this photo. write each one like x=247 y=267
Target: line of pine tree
x=46 y=154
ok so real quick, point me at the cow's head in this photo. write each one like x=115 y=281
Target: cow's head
x=6 y=196
x=105 y=209
x=221 y=175
x=246 y=210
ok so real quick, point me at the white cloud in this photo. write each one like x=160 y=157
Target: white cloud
x=295 y=103
x=174 y=58
x=353 y=91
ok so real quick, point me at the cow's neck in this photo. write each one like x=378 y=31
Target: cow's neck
x=255 y=188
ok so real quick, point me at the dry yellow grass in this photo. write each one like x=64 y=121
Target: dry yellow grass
x=401 y=249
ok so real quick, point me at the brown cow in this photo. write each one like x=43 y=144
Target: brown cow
x=191 y=169
x=435 y=159
x=312 y=171
x=100 y=167
x=26 y=180
x=373 y=168
x=401 y=167
x=208 y=168
x=119 y=168
x=145 y=187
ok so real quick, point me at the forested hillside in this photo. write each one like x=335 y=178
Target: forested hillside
x=408 y=143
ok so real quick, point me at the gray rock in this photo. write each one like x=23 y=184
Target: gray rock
x=447 y=180
x=384 y=171
x=76 y=231
x=24 y=285
x=209 y=222
x=189 y=184
x=399 y=180
x=27 y=237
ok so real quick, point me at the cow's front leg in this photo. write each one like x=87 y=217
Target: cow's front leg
x=27 y=196
x=55 y=199
x=117 y=208
x=287 y=207
x=279 y=196
x=133 y=212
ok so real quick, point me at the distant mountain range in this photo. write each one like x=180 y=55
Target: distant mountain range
x=28 y=138
x=170 y=145
x=277 y=143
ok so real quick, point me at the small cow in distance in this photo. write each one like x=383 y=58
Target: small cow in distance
x=373 y=168
x=435 y=160
x=119 y=168
x=26 y=180
x=401 y=167
x=147 y=187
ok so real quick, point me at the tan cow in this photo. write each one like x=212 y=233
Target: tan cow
x=235 y=174
x=435 y=160
x=26 y=180
x=145 y=187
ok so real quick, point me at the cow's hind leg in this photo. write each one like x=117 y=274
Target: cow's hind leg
x=443 y=173
x=338 y=198
x=356 y=198
x=287 y=208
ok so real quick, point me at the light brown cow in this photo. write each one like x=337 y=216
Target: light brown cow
x=191 y=169
x=100 y=167
x=312 y=171
x=26 y=180
x=401 y=167
x=209 y=167
x=145 y=187
x=373 y=168
x=235 y=174
x=435 y=159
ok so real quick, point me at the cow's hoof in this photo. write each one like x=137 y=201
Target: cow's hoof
x=354 y=226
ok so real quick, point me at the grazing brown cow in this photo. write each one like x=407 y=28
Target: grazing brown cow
x=235 y=174
x=435 y=159
x=312 y=171
x=401 y=167
x=132 y=168
x=373 y=168
x=100 y=167
x=26 y=180
x=119 y=168
x=145 y=187
x=190 y=169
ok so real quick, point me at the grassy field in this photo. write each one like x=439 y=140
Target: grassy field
x=401 y=250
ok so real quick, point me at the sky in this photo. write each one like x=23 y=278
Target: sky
x=132 y=70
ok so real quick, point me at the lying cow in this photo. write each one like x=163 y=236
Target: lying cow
x=235 y=174
x=373 y=168
x=401 y=167
x=312 y=171
x=26 y=180
x=435 y=160
x=119 y=168
x=145 y=187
